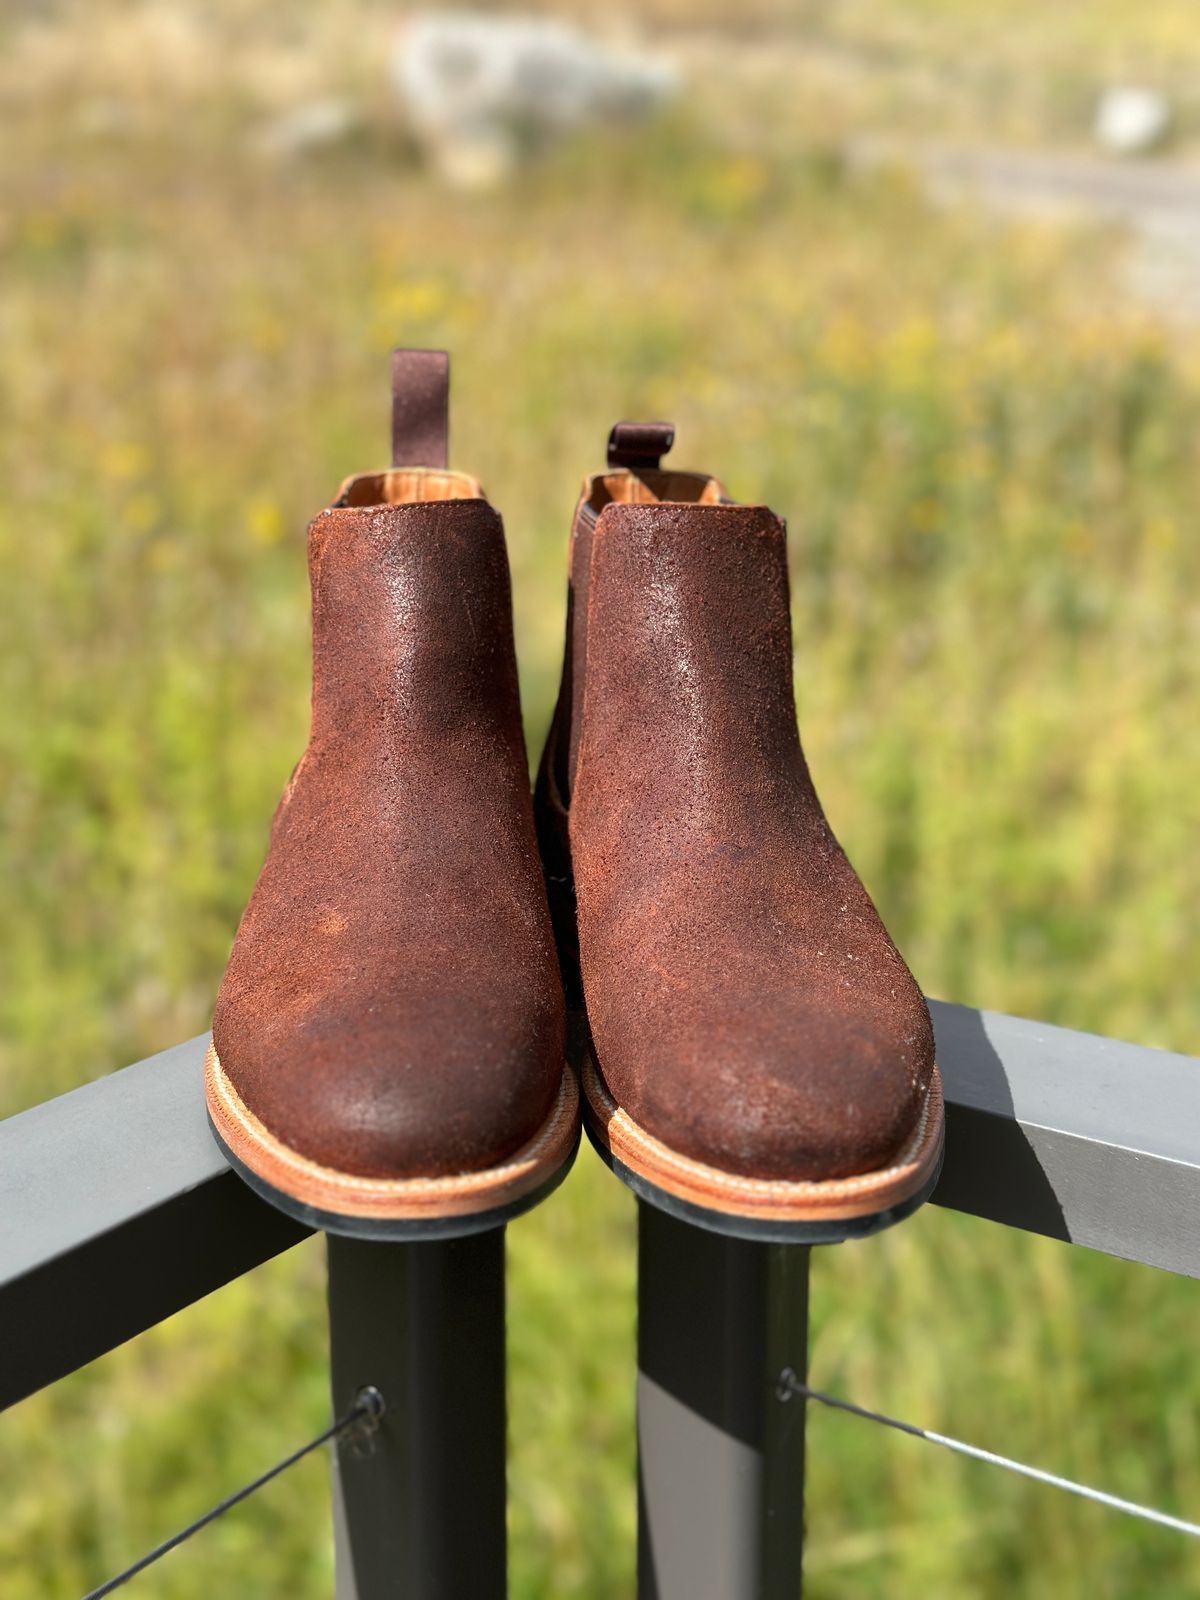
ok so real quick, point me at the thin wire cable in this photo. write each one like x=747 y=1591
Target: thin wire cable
x=366 y=1410
x=790 y=1385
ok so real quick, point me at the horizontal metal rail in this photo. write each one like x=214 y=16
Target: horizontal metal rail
x=117 y=1208
x=1072 y=1135
x=1049 y=1130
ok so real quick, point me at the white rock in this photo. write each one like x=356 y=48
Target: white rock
x=1131 y=120
x=481 y=92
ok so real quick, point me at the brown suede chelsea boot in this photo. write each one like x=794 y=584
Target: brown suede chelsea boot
x=388 y=1052
x=757 y=1058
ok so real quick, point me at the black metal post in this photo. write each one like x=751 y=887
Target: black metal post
x=419 y=1511
x=720 y=1453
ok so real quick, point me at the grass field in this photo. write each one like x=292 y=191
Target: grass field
x=988 y=463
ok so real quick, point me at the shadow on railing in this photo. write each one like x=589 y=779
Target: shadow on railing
x=991 y=1151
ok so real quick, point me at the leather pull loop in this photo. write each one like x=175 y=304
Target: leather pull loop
x=640 y=446
x=420 y=408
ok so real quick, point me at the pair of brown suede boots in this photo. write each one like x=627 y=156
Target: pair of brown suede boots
x=391 y=1055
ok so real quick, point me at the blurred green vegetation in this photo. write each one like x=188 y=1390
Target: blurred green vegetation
x=988 y=460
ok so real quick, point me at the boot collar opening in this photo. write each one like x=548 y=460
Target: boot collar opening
x=403 y=486
x=650 y=486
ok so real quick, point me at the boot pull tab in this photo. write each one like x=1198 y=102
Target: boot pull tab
x=420 y=408
x=640 y=446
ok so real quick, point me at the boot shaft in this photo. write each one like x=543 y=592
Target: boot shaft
x=677 y=696
x=687 y=701
x=412 y=613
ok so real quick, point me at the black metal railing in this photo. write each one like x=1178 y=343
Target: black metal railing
x=118 y=1209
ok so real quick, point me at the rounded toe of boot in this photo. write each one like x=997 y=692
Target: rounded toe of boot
x=787 y=1095
x=367 y=1095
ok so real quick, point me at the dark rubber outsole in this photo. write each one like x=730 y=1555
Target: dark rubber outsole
x=757 y=1231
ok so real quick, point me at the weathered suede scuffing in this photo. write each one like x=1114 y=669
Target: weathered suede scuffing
x=392 y=1006
x=744 y=1000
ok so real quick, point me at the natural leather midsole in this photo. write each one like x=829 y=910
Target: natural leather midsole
x=798 y=1200
x=347 y=1194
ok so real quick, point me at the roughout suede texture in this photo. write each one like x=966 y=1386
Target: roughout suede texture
x=392 y=1006
x=745 y=1002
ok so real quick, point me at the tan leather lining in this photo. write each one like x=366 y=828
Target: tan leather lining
x=404 y=486
x=650 y=487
